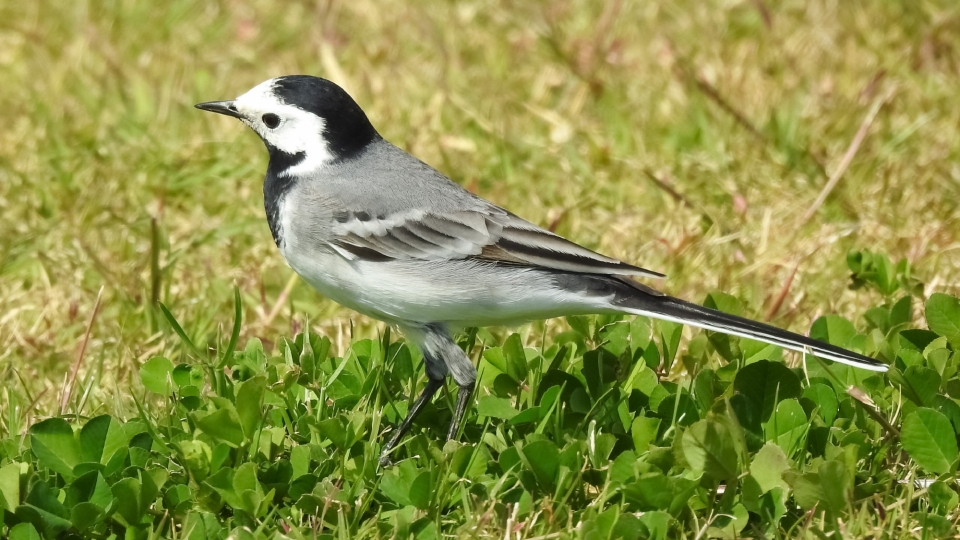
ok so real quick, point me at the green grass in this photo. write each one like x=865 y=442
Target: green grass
x=559 y=111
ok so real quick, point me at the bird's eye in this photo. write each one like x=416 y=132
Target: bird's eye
x=270 y=120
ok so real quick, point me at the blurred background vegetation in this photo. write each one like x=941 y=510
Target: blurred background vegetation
x=691 y=137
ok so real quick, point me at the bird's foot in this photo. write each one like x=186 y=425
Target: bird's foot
x=385 y=460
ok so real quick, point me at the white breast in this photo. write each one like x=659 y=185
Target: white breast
x=460 y=292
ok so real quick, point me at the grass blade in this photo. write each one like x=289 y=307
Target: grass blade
x=178 y=329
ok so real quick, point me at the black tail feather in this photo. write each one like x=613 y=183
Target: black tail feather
x=683 y=312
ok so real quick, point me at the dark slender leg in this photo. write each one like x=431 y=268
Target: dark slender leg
x=432 y=386
x=463 y=399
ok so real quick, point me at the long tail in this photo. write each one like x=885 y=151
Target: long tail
x=640 y=300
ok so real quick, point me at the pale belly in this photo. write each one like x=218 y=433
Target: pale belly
x=458 y=293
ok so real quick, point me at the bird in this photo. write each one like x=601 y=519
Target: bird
x=379 y=231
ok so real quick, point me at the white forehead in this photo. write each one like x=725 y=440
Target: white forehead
x=259 y=99
x=299 y=130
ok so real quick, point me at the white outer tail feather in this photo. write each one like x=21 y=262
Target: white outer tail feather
x=773 y=340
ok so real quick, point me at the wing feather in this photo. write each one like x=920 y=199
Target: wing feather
x=491 y=235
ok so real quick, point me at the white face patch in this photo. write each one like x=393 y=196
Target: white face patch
x=298 y=131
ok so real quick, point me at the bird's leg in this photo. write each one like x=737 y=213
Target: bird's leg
x=442 y=356
x=428 y=391
x=463 y=399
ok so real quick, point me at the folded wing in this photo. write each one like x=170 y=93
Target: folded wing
x=492 y=235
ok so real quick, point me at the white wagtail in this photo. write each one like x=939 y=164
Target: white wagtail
x=379 y=231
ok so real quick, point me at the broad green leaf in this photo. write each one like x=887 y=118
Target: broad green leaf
x=943 y=498
x=301 y=485
x=825 y=399
x=833 y=329
x=680 y=409
x=24 y=531
x=727 y=346
x=940 y=361
x=616 y=337
x=580 y=324
x=515 y=357
x=644 y=432
x=766 y=383
x=599 y=445
x=808 y=490
x=836 y=483
x=599 y=370
x=787 y=426
x=10 y=486
x=929 y=439
x=902 y=311
x=396 y=483
x=623 y=469
x=548 y=400
x=916 y=339
x=829 y=488
x=247 y=488
x=187 y=375
x=49 y=524
x=934 y=526
x=394 y=489
x=922 y=385
x=178 y=498
x=670 y=334
x=196 y=458
x=655 y=491
x=241 y=533
x=43 y=508
x=56 y=447
x=710 y=449
x=949 y=408
x=531 y=414
x=250 y=403
x=878 y=317
x=509 y=459
x=643 y=379
x=754 y=351
x=470 y=461
x=300 y=460
x=910 y=357
x=134 y=497
x=89 y=488
x=495 y=357
x=420 y=490
x=201 y=526
x=767 y=467
x=245 y=478
x=542 y=458
x=223 y=425
x=333 y=430
x=943 y=315
x=495 y=407
x=155 y=374
x=101 y=438
x=655 y=525
x=599 y=526
x=730 y=524
x=84 y=515
x=222 y=483
x=706 y=388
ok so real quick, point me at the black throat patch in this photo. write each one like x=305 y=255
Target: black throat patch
x=275 y=187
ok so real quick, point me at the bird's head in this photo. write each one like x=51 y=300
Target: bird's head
x=305 y=122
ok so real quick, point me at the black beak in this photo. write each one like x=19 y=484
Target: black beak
x=228 y=108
